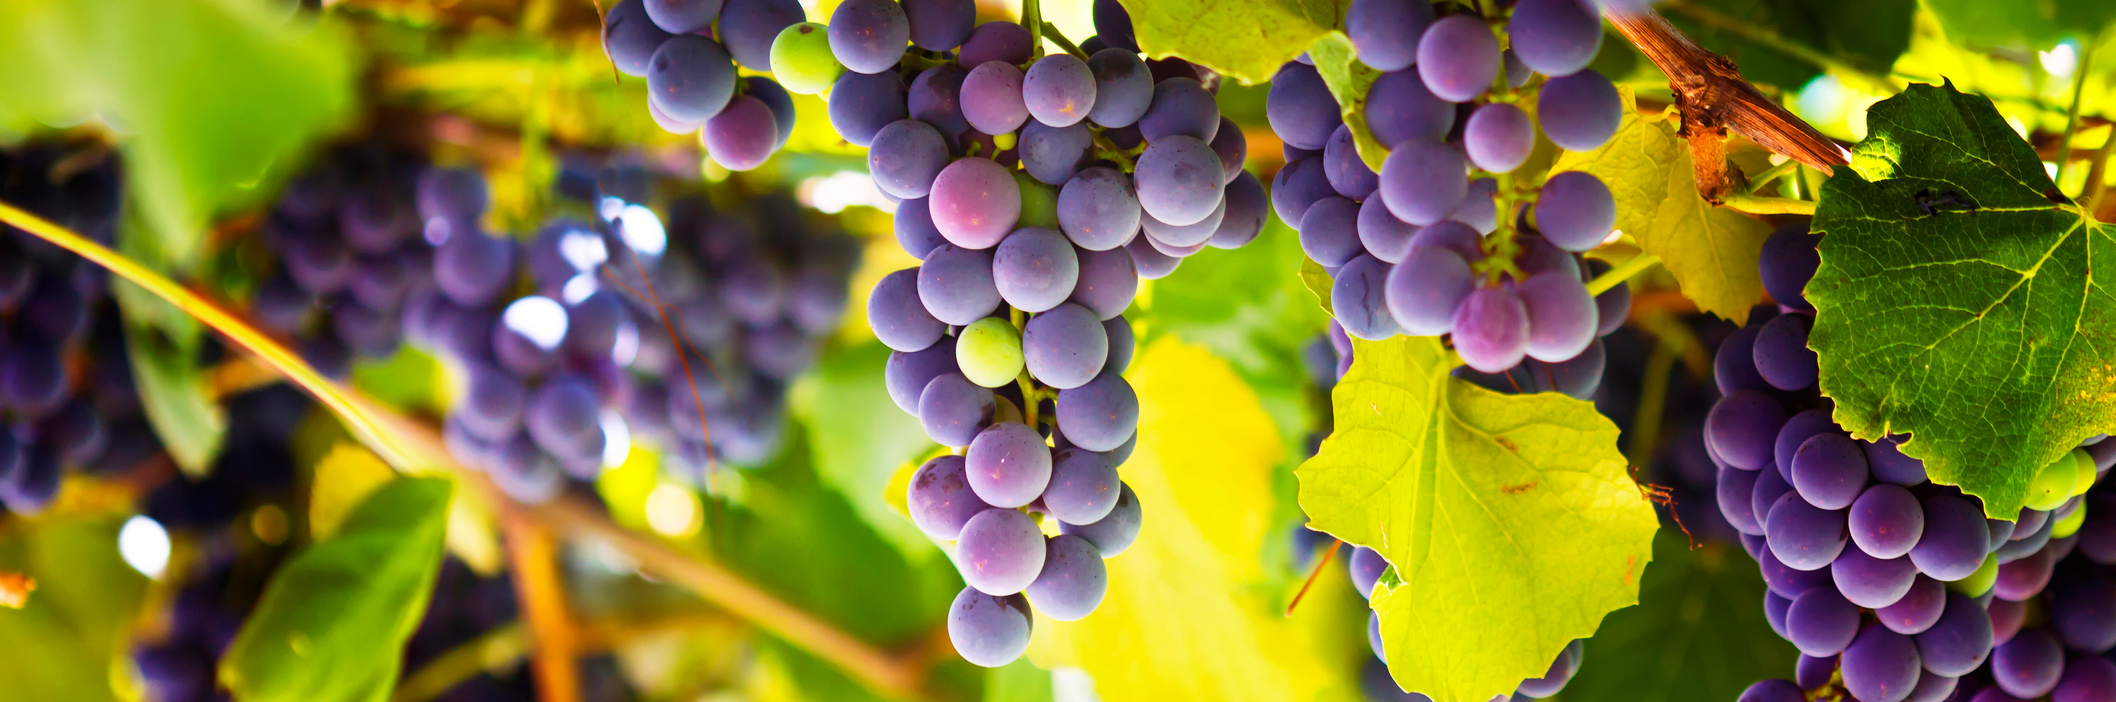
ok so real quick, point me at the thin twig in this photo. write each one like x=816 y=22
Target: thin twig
x=1032 y=20
x=1756 y=204
x=1616 y=276
x=1765 y=178
x=1050 y=31
x=1313 y=574
x=539 y=587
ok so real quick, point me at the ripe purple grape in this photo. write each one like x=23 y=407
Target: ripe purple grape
x=2086 y=679
x=1108 y=281
x=1424 y=290
x=1499 y=136
x=1247 y=208
x=1802 y=535
x=1100 y=415
x=1821 y=622
x=1359 y=299
x=1733 y=490
x=1422 y=182
x=862 y=103
x=940 y=25
x=1301 y=109
x=1796 y=431
x=1742 y=428
x=1555 y=37
x=1880 y=665
x=1829 y=471
x=1785 y=580
x=1490 y=329
x=1955 y=540
x=1781 y=353
x=1052 y=155
x=1073 y=580
x=1181 y=107
x=1035 y=269
x=745 y=133
x=1083 y=487
x=1008 y=465
x=1872 y=582
x=1579 y=112
x=1005 y=42
x=749 y=26
x=952 y=409
x=1150 y=263
x=1561 y=315
x=629 y=37
x=989 y=631
x=1575 y=211
x=1918 y=610
x=1458 y=58
x=1329 y=232
x=1347 y=174
x=975 y=203
x=868 y=36
x=1124 y=88
x=1788 y=261
x=1385 y=32
x=1773 y=691
x=1114 y=533
x=1065 y=347
x=2029 y=666
x=1400 y=108
x=1059 y=90
x=940 y=499
x=905 y=157
x=1179 y=180
x=1298 y=186
x=690 y=78
x=1886 y=521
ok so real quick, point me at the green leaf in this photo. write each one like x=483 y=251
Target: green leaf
x=205 y=94
x=332 y=624
x=1246 y=40
x=1317 y=280
x=1697 y=633
x=62 y=645
x=172 y=388
x=1711 y=251
x=1509 y=519
x=1349 y=80
x=859 y=437
x=1867 y=34
x=2033 y=25
x=1980 y=328
x=1019 y=681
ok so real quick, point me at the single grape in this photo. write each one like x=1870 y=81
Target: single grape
x=1821 y=622
x=1886 y=521
x=868 y=36
x=1191 y=237
x=1561 y=315
x=1829 y=471
x=801 y=58
x=690 y=78
x=1802 y=535
x=1178 y=179
x=1053 y=154
x=1917 y=610
x=1066 y=347
x=1374 y=636
x=907 y=373
x=1880 y=665
x=1955 y=540
x=1382 y=234
x=455 y=193
x=1453 y=236
x=1385 y=32
x=936 y=98
x=1124 y=89
x=952 y=409
x=1083 y=487
x=1300 y=107
x=1035 y=269
x=1232 y=147
x=564 y=417
x=862 y=103
x=744 y=134
x=1458 y=58
x=1614 y=304
x=1113 y=25
x=1247 y=208
x=1298 y=186
x=1329 y=232
x=776 y=99
x=1347 y=174
x=1107 y=282
x=1400 y=108
x=905 y=157
x=1742 y=427
x=1796 y=431
x=1734 y=365
x=1422 y=181
x=1788 y=262
x=940 y=25
x=991 y=98
x=1150 y=263
x=2029 y=666
x=975 y=203
x=1958 y=643
x=1785 y=580
x=1424 y=291
x=1073 y=579
x=1890 y=465
x=989 y=631
x=683 y=16
x=1733 y=491
x=1933 y=688
x=1359 y=298
x=749 y=26
x=1872 y=582
x=1575 y=211
x=1098 y=210
x=491 y=406
x=1555 y=37
x=1499 y=136
x=2025 y=577
x=1100 y=415
x=1112 y=534
x=1005 y=42
x=1059 y=90
x=1118 y=330
x=2006 y=619
x=1579 y=112
x=630 y=37
x=1773 y=691
x=2086 y=679
x=1008 y=465
x=1561 y=671
x=940 y=499
x=1490 y=329
x=1782 y=355
x=2084 y=607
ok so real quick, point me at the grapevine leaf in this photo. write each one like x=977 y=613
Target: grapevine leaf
x=1019 y=681
x=205 y=93
x=60 y=645
x=174 y=394
x=1246 y=40
x=1349 y=80
x=1696 y=634
x=1317 y=280
x=859 y=437
x=1956 y=300
x=1711 y=251
x=1985 y=23
x=332 y=623
x=1867 y=35
x=1188 y=614
x=1509 y=519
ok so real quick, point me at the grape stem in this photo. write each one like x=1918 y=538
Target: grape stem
x=1758 y=205
x=1032 y=20
x=415 y=447
x=1616 y=276
x=553 y=638
x=1499 y=258
x=1050 y=31
x=2079 y=88
x=1767 y=177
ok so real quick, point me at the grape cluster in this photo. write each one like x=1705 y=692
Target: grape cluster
x=348 y=243
x=67 y=398
x=1892 y=587
x=1108 y=146
x=692 y=84
x=1421 y=247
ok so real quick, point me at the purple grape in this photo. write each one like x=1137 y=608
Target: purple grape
x=630 y=37
x=1347 y=174
x=1734 y=365
x=1298 y=186
x=1886 y=521
x=2086 y=679
x=1052 y=154
x=1065 y=347
x=1774 y=607
x=1035 y=269
x=2024 y=578
x=1561 y=671
x=898 y=317
x=1829 y=471
x=1781 y=352
x=1000 y=551
x=491 y=406
x=1107 y=282
x=1555 y=37
x=2029 y=666
x=1773 y=691
x=1374 y=636
x=1072 y=582
x=905 y=157
x=1821 y=622
x=907 y=373
x=1098 y=416
x=989 y=631
x=1575 y=211
x=1499 y=136
x=1178 y=180
x=862 y=103
x=1891 y=466
x=744 y=134
x=690 y=78
x=1424 y=290
x=1182 y=107
x=935 y=98
x=1422 y=181
x=454 y=193
x=1872 y=582
x=1454 y=236
x=1151 y=264
x=868 y=36
x=1734 y=489
x=1788 y=262
x=1382 y=234
x=941 y=500
x=564 y=417
x=1802 y=535
x=1189 y=236
x=1124 y=88
x=975 y=203
x=1958 y=643
x=1008 y=465
x=1785 y=580
x=749 y=26
x=1059 y=90
x=1385 y=32
x=1232 y=146
x=1579 y=112
x=1880 y=665
x=940 y=25
x=320 y=264
x=1917 y=610
x=1742 y=427
x=1561 y=316
x=1366 y=566
x=1359 y=298
x=1329 y=232
x=952 y=409
x=1247 y=208
x=1490 y=329
x=1301 y=109
x=1400 y=108
x=34 y=484
x=2006 y=618
x=1795 y=432
x=1814 y=672
x=1114 y=533
x=1955 y=540
x=1933 y=688
x=1083 y=487
x=1005 y=42
x=1118 y=330
x=2084 y=613
x=1458 y=58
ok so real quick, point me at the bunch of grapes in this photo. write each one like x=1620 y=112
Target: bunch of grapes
x=348 y=243
x=1892 y=587
x=692 y=85
x=1108 y=146
x=67 y=398
x=1421 y=248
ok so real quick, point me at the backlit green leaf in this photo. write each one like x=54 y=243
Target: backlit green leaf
x=1246 y=40
x=1697 y=632
x=2033 y=25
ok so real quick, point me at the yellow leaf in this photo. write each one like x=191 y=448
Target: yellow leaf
x=1190 y=613
x=345 y=476
x=1711 y=251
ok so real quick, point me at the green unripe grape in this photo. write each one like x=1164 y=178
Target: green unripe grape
x=2087 y=474
x=2070 y=524
x=989 y=352
x=1039 y=202
x=1980 y=581
x=801 y=58
x=2053 y=485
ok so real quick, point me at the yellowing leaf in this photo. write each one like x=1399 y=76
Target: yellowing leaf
x=1247 y=41
x=1349 y=81
x=1711 y=251
x=345 y=476
x=1510 y=519
x=1187 y=616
